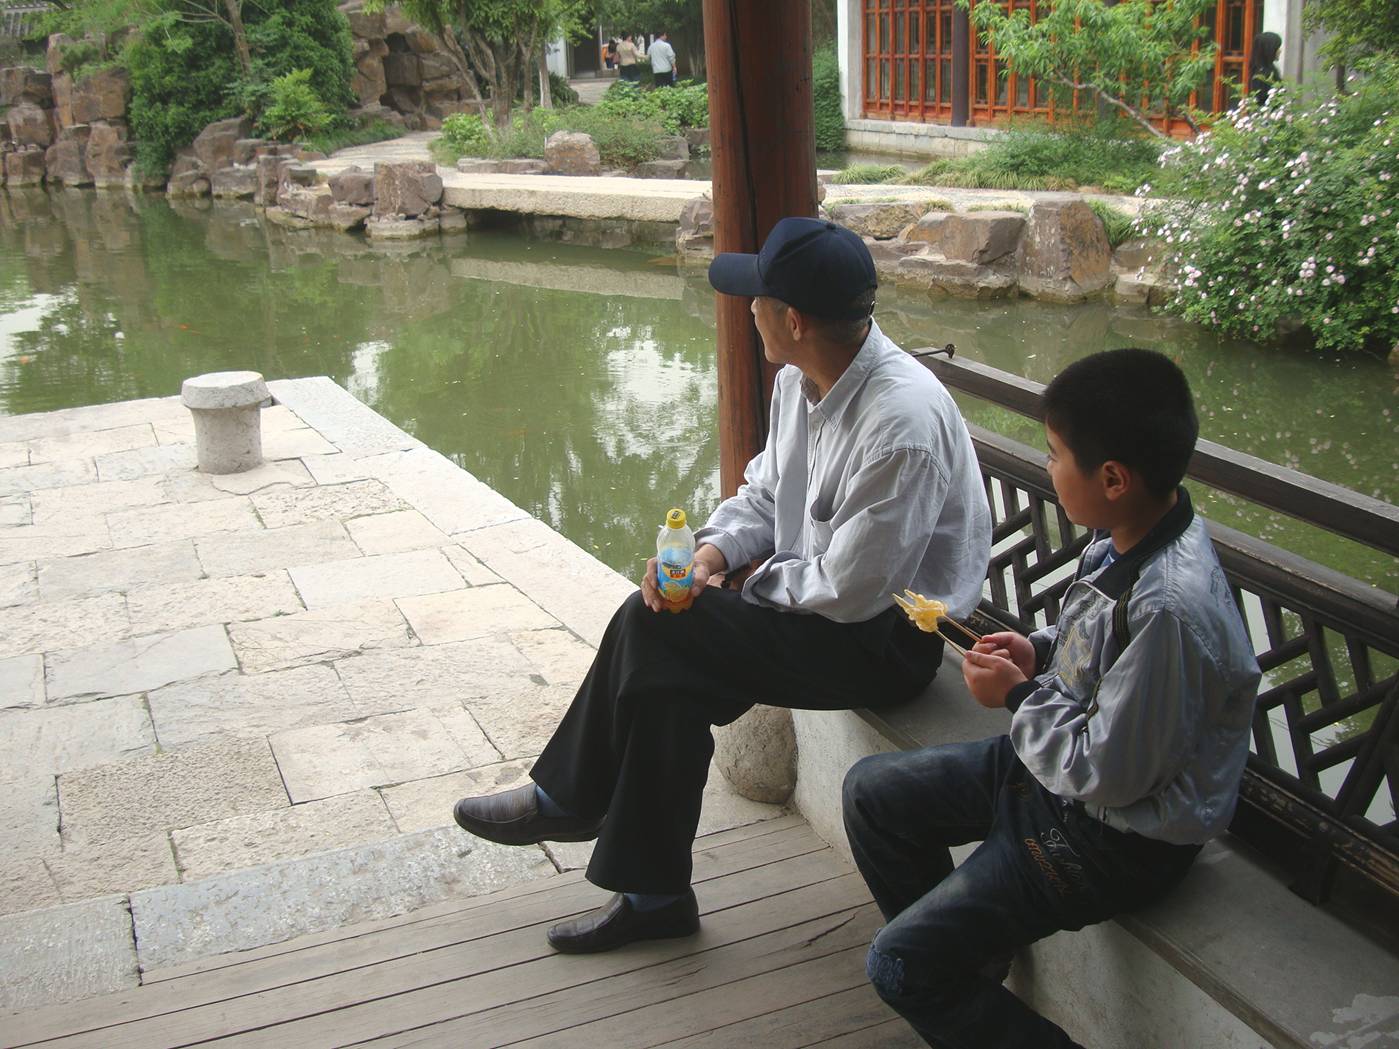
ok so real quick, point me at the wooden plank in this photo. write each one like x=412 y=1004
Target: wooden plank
x=704 y=1010
x=751 y=832
x=851 y=921
x=846 y=1012
x=518 y=938
x=892 y=1034
x=720 y=857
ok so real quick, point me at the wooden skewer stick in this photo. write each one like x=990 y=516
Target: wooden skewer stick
x=976 y=638
x=949 y=641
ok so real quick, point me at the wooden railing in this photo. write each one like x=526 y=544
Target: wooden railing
x=1320 y=790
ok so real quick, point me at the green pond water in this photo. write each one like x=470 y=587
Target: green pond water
x=578 y=382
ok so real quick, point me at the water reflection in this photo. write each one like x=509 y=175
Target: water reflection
x=578 y=382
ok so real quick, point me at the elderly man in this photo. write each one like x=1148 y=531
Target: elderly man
x=868 y=484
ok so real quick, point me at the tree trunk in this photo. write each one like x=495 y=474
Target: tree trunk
x=546 y=91
x=525 y=84
x=240 y=36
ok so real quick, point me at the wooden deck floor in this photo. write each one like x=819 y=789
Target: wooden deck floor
x=779 y=962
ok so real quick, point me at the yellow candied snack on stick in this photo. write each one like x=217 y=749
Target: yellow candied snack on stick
x=924 y=612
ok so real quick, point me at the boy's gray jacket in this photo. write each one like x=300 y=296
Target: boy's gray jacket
x=1151 y=738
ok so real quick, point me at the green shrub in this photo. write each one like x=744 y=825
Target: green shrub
x=179 y=84
x=867 y=174
x=673 y=108
x=293 y=110
x=303 y=34
x=1118 y=223
x=622 y=141
x=825 y=91
x=466 y=135
x=1288 y=215
x=559 y=91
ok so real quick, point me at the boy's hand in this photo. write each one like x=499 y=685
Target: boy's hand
x=1016 y=648
x=990 y=676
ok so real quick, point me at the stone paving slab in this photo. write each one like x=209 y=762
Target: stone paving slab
x=251 y=908
x=180 y=521
x=55 y=739
x=85 y=869
x=63 y=953
x=90 y=417
x=338 y=502
x=519 y=721
x=28 y=811
x=92 y=443
x=566 y=581
x=425 y=804
x=247 y=553
x=119 y=570
x=16 y=510
x=470 y=569
x=408 y=574
x=435 y=675
x=50 y=625
x=318 y=635
x=352 y=426
x=293 y=444
x=70 y=537
x=21 y=682
x=142 y=462
x=479 y=611
x=325 y=760
x=447 y=495
x=14 y=453
x=245 y=706
x=26 y=885
x=282 y=834
x=395 y=532
x=138 y=664
x=88 y=500
x=19 y=479
x=559 y=656
x=228 y=599
x=18 y=584
x=179 y=788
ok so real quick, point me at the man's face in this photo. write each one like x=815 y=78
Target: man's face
x=770 y=316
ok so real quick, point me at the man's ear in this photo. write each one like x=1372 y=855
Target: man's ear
x=1117 y=480
x=796 y=323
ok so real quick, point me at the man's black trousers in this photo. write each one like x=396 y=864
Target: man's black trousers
x=635 y=744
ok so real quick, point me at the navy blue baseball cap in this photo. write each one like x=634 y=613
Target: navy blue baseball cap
x=818 y=267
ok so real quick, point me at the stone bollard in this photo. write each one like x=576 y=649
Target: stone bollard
x=758 y=754
x=227 y=410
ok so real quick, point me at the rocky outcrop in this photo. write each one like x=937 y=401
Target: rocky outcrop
x=880 y=221
x=353 y=186
x=660 y=169
x=66 y=160
x=30 y=125
x=1064 y=255
x=101 y=96
x=109 y=155
x=216 y=147
x=24 y=167
x=238 y=182
x=22 y=84
x=406 y=189
x=400 y=65
x=694 y=236
x=571 y=153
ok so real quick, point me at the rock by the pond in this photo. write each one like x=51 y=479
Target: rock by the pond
x=312 y=203
x=478 y=166
x=217 y=145
x=523 y=166
x=247 y=150
x=960 y=279
x=694 y=235
x=887 y=254
x=661 y=169
x=1064 y=255
x=406 y=188
x=269 y=179
x=392 y=227
x=673 y=147
x=1141 y=289
x=572 y=153
x=981 y=237
x=927 y=230
x=297 y=174
x=24 y=167
x=188 y=184
x=1138 y=254
x=882 y=221
x=101 y=96
x=66 y=159
x=235 y=183
x=353 y=186
x=697 y=137
x=20 y=84
x=109 y=154
x=346 y=217
x=453 y=220
x=30 y=125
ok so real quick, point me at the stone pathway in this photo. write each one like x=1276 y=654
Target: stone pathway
x=237 y=709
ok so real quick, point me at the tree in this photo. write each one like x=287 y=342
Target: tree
x=493 y=42
x=112 y=17
x=682 y=19
x=1136 y=56
x=1359 y=30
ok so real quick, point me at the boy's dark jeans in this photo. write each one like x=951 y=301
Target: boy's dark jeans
x=1043 y=865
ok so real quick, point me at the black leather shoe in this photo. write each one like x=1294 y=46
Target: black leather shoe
x=513 y=818
x=617 y=923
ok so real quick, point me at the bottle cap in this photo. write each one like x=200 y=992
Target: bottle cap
x=675 y=519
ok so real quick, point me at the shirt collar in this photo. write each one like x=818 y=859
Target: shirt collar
x=839 y=395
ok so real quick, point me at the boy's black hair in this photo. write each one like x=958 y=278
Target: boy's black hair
x=1132 y=406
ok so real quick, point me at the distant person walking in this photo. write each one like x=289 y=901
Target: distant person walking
x=627 y=56
x=1263 y=67
x=662 y=57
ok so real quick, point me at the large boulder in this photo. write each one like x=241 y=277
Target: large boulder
x=30 y=125
x=109 y=154
x=217 y=145
x=981 y=237
x=101 y=96
x=435 y=66
x=572 y=153
x=312 y=203
x=188 y=184
x=1141 y=288
x=24 y=167
x=1138 y=255
x=673 y=147
x=269 y=169
x=235 y=183
x=347 y=217
x=392 y=227
x=522 y=166
x=368 y=81
x=887 y=254
x=66 y=159
x=661 y=169
x=694 y=235
x=758 y=754
x=353 y=186
x=364 y=25
x=963 y=280
x=22 y=84
x=1064 y=255
x=402 y=70
x=880 y=221
x=407 y=188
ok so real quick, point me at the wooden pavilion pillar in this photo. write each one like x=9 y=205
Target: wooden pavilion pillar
x=763 y=146
x=961 y=66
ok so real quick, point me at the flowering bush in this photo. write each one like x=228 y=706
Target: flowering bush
x=1286 y=216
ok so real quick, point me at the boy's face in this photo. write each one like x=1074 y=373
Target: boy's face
x=1083 y=496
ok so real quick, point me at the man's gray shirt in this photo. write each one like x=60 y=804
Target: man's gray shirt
x=872 y=489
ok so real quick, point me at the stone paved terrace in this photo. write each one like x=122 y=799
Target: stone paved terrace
x=237 y=709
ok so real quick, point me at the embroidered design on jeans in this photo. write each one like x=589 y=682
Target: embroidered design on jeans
x=1057 y=860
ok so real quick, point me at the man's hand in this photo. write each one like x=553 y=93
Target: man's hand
x=990 y=675
x=1014 y=647
x=708 y=561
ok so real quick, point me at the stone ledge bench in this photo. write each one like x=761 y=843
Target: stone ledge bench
x=1231 y=960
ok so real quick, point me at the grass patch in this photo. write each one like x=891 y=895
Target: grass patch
x=622 y=141
x=1003 y=206
x=343 y=138
x=867 y=174
x=1118 y=223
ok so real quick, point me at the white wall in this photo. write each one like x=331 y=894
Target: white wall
x=848 y=23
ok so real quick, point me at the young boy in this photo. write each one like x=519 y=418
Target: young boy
x=1129 y=730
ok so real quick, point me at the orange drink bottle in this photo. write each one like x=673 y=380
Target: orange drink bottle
x=675 y=561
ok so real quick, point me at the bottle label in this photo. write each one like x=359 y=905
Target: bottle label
x=675 y=572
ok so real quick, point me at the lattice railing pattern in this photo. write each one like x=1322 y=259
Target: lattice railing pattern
x=1325 y=759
